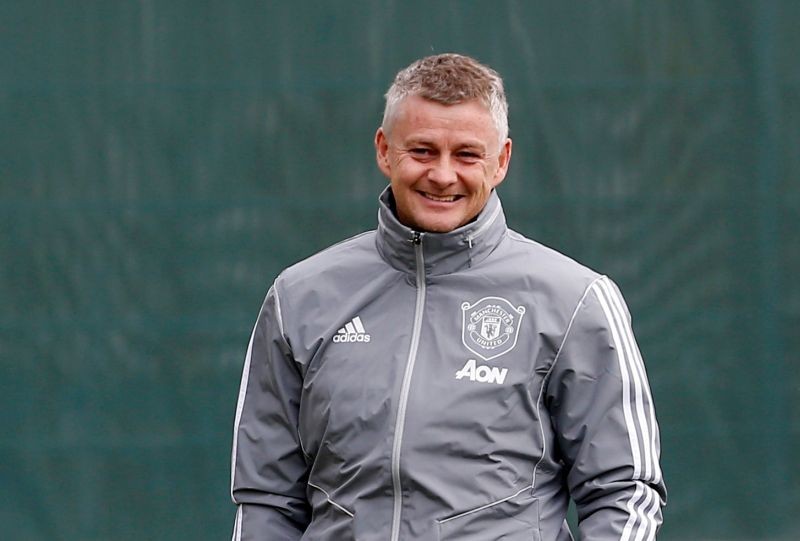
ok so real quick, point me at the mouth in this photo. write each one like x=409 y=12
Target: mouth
x=440 y=198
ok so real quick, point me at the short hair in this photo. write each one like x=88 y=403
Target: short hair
x=449 y=79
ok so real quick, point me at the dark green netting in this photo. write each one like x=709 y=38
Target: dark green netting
x=160 y=162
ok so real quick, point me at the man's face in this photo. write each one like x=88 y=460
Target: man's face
x=443 y=162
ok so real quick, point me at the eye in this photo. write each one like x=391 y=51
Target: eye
x=421 y=153
x=468 y=156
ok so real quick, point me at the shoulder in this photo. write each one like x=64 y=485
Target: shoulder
x=555 y=284
x=550 y=268
x=342 y=258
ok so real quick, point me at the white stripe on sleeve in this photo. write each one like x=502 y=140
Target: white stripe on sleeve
x=237 y=525
x=641 y=427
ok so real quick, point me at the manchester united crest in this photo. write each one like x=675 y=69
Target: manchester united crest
x=490 y=326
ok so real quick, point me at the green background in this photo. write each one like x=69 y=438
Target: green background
x=162 y=161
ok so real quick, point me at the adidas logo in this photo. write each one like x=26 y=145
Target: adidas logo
x=352 y=332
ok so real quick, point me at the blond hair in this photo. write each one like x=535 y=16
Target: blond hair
x=449 y=79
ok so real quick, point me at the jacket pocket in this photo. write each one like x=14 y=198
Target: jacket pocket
x=329 y=520
x=515 y=519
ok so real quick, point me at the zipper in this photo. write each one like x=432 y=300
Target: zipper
x=405 y=388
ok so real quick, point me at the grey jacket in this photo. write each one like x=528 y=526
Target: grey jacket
x=459 y=386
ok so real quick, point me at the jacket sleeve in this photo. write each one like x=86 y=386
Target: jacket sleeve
x=268 y=471
x=600 y=404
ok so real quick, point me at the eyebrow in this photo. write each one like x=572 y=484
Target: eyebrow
x=421 y=141
x=418 y=141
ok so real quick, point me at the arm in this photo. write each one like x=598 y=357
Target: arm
x=268 y=471
x=600 y=403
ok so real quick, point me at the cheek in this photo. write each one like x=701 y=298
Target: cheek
x=482 y=181
x=490 y=174
x=405 y=171
x=481 y=193
x=401 y=185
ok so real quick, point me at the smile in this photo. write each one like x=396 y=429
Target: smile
x=440 y=198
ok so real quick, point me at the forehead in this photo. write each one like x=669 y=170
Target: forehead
x=420 y=118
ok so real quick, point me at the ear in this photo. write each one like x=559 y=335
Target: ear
x=382 y=153
x=503 y=159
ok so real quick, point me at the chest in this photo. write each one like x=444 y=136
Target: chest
x=465 y=354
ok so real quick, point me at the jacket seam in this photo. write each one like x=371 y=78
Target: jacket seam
x=571 y=321
x=278 y=311
x=330 y=501
x=486 y=506
x=243 y=383
x=546 y=378
x=337 y=244
x=513 y=235
x=279 y=317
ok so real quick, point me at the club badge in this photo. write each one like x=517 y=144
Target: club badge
x=490 y=327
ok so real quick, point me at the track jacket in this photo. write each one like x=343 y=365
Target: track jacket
x=459 y=386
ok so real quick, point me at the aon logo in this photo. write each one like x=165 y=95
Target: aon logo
x=483 y=374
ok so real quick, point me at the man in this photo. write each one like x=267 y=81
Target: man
x=443 y=377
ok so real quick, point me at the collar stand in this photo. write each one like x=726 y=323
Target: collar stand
x=444 y=253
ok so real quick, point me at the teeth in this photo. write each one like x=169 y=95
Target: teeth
x=442 y=198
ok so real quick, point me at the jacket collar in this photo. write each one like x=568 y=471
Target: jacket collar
x=443 y=253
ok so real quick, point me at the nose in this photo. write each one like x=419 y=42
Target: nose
x=443 y=172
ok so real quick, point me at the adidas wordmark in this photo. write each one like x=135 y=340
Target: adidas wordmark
x=352 y=332
x=483 y=374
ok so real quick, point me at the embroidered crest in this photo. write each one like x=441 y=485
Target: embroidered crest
x=489 y=328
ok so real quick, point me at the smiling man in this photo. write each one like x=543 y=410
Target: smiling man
x=443 y=377
x=443 y=160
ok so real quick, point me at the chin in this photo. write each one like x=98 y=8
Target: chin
x=438 y=226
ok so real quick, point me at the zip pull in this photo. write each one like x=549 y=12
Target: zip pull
x=416 y=240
